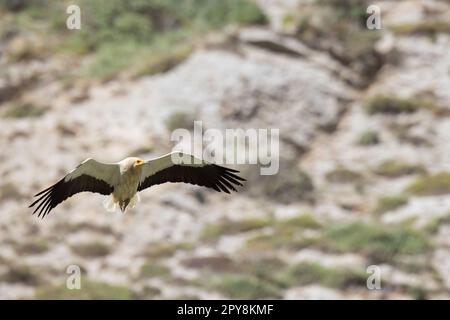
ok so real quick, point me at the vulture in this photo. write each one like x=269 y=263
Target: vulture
x=122 y=181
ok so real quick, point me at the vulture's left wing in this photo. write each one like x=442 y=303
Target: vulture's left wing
x=90 y=175
x=181 y=167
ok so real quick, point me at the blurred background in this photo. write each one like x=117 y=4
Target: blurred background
x=364 y=160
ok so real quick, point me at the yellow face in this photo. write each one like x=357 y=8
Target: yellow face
x=139 y=162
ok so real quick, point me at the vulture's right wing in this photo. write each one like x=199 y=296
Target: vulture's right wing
x=90 y=176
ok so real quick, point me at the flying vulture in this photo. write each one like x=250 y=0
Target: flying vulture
x=123 y=180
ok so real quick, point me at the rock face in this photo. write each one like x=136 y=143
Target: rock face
x=309 y=232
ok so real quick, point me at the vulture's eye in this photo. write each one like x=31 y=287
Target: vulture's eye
x=139 y=162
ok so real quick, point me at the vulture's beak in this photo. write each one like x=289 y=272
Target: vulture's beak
x=140 y=163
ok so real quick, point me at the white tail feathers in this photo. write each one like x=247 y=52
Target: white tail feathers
x=111 y=203
x=133 y=201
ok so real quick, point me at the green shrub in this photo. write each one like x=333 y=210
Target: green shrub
x=389 y=203
x=230 y=227
x=391 y=105
x=287 y=234
x=368 y=138
x=111 y=58
x=243 y=287
x=24 y=110
x=264 y=267
x=343 y=175
x=418 y=292
x=91 y=250
x=141 y=21
x=430 y=28
x=90 y=290
x=158 y=250
x=151 y=270
x=160 y=61
x=145 y=37
x=434 y=224
x=379 y=242
x=283 y=237
x=304 y=221
x=396 y=168
x=313 y=273
x=431 y=185
x=212 y=263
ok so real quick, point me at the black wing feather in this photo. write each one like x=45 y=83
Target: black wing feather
x=212 y=176
x=60 y=191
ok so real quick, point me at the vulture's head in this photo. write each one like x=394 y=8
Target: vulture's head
x=131 y=164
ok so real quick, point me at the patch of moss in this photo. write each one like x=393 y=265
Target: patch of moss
x=377 y=241
x=343 y=175
x=212 y=263
x=305 y=221
x=150 y=269
x=418 y=292
x=286 y=238
x=313 y=273
x=392 y=105
x=92 y=250
x=90 y=290
x=388 y=203
x=429 y=27
x=159 y=62
x=110 y=59
x=368 y=138
x=243 y=287
x=139 y=60
x=159 y=250
x=434 y=224
x=393 y=168
x=230 y=227
x=142 y=21
x=431 y=185
x=286 y=234
x=261 y=266
x=23 y=110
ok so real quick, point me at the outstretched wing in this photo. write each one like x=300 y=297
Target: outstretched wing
x=180 y=167
x=90 y=175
